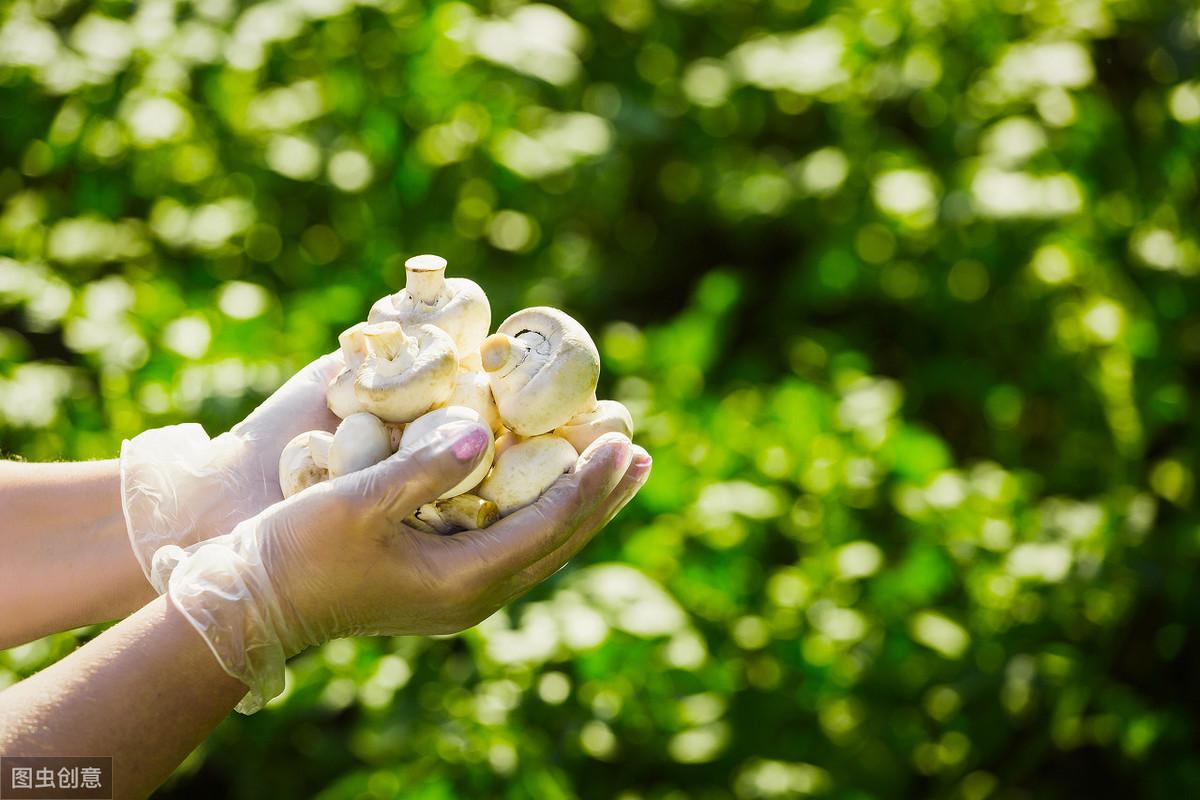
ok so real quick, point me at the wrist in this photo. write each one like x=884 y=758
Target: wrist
x=174 y=488
x=226 y=593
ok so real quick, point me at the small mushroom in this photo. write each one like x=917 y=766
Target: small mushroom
x=525 y=470
x=426 y=425
x=608 y=416
x=304 y=461
x=359 y=441
x=404 y=373
x=456 y=305
x=461 y=513
x=339 y=395
x=472 y=389
x=543 y=368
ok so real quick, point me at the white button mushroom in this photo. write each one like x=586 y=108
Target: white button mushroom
x=360 y=441
x=339 y=395
x=425 y=426
x=608 y=416
x=422 y=360
x=543 y=368
x=304 y=461
x=473 y=390
x=525 y=470
x=404 y=373
x=456 y=305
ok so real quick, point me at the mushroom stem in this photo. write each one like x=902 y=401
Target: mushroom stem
x=352 y=344
x=501 y=353
x=464 y=512
x=416 y=522
x=318 y=448
x=389 y=341
x=468 y=511
x=395 y=431
x=426 y=278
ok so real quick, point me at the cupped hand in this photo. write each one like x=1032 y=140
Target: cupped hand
x=353 y=567
x=337 y=559
x=179 y=487
x=294 y=408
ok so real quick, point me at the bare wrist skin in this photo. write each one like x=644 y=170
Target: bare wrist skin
x=65 y=559
x=145 y=692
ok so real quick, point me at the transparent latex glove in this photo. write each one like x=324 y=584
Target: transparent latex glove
x=180 y=487
x=335 y=559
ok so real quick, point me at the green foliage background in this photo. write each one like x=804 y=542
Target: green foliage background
x=902 y=295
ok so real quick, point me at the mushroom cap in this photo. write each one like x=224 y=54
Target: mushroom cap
x=304 y=461
x=607 y=417
x=360 y=441
x=339 y=394
x=525 y=470
x=427 y=424
x=473 y=390
x=459 y=305
x=404 y=373
x=549 y=374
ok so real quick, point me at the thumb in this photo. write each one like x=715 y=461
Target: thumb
x=296 y=406
x=423 y=471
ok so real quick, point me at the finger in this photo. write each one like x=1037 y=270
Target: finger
x=302 y=398
x=419 y=473
x=296 y=406
x=634 y=479
x=316 y=374
x=530 y=534
x=320 y=370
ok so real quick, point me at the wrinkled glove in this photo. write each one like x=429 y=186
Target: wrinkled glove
x=335 y=560
x=180 y=487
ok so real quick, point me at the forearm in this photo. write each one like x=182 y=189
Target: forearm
x=65 y=558
x=145 y=692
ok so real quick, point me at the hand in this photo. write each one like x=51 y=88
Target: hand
x=179 y=487
x=336 y=560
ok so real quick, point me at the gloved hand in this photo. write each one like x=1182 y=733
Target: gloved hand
x=335 y=560
x=180 y=487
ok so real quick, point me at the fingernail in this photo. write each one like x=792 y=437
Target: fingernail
x=618 y=442
x=622 y=453
x=641 y=463
x=468 y=446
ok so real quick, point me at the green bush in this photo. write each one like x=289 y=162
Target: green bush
x=902 y=296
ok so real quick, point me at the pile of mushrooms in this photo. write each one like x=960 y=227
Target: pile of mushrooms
x=423 y=358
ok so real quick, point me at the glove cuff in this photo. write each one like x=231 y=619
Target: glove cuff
x=224 y=591
x=167 y=487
